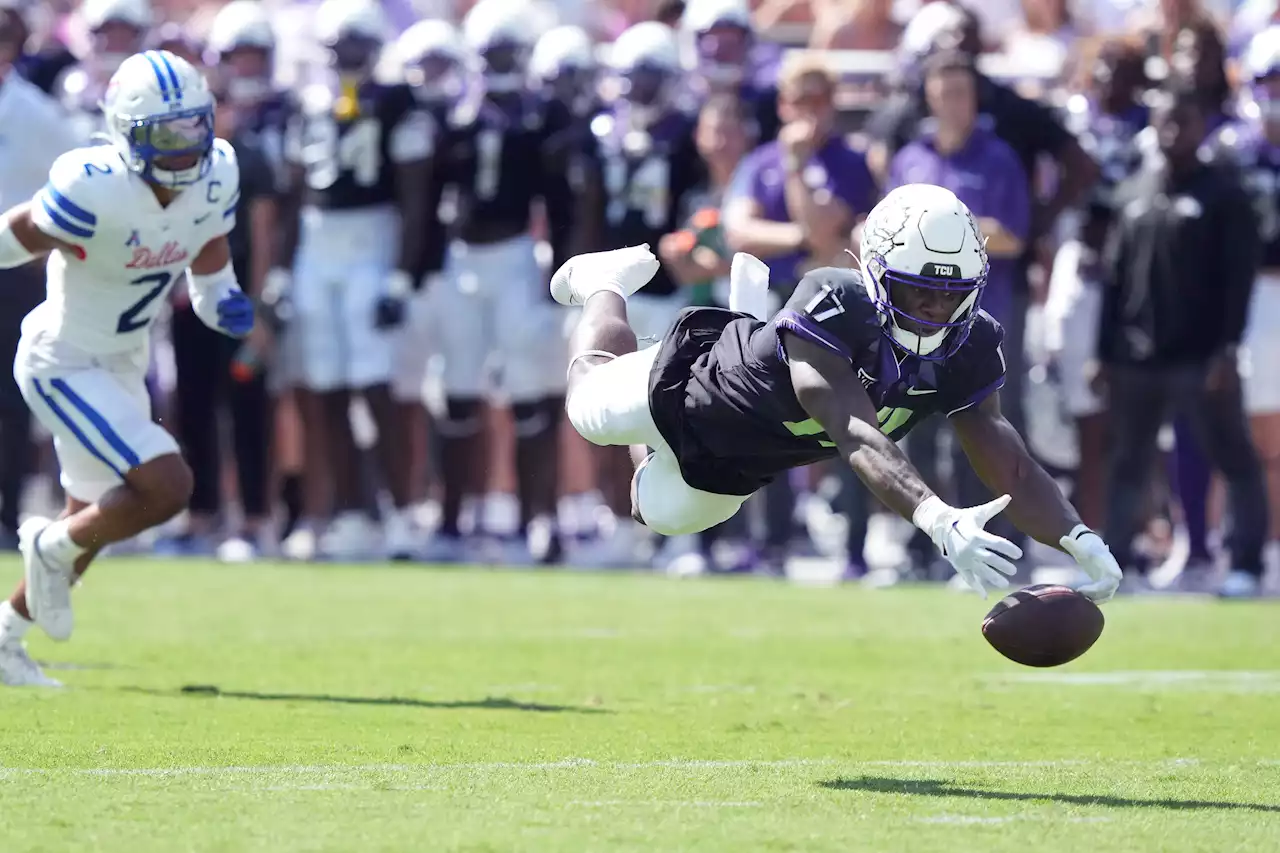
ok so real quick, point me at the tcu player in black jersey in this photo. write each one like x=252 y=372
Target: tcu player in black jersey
x=436 y=63
x=719 y=41
x=847 y=367
x=563 y=68
x=1106 y=116
x=501 y=151
x=242 y=46
x=642 y=165
x=1254 y=144
x=640 y=168
x=358 y=151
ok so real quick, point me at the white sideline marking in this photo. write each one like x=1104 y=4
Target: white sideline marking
x=1210 y=679
x=339 y=770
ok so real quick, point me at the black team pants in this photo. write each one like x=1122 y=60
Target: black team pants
x=21 y=290
x=203 y=361
x=1141 y=400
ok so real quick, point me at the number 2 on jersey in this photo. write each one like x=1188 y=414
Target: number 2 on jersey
x=129 y=321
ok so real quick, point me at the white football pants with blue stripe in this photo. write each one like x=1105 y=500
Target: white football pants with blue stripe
x=96 y=407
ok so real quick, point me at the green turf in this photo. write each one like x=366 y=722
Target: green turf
x=379 y=709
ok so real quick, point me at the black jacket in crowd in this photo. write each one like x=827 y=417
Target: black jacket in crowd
x=1179 y=266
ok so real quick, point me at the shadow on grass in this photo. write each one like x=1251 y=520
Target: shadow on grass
x=941 y=788
x=489 y=703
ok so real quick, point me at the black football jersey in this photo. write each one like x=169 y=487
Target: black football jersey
x=499 y=155
x=349 y=148
x=647 y=177
x=720 y=390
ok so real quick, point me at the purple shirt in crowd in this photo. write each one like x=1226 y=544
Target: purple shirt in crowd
x=987 y=176
x=835 y=167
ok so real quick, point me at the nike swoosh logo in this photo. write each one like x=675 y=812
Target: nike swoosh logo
x=916 y=392
x=203 y=218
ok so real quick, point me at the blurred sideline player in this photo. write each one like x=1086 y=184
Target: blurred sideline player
x=436 y=63
x=358 y=151
x=499 y=155
x=845 y=369
x=641 y=170
x=119 y=222
x=1254 y=143
x=564 y=69
x=242 y=51
x=719 y=42
x=117 y=30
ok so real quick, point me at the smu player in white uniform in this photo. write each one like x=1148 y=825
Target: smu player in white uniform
x=120 y=224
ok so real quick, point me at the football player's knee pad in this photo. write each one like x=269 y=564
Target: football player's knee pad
x=463 y=417
x=662 y=501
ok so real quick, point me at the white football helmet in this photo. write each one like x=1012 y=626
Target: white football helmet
x=435 y=60
x=646 y=60
x=502 y=34
x=924 y=264
x=244 y=41
x=717 y=38
x=159 y=116
x=564 y=66
x=1262 y=68
x=559 y=50
x=354 y=31
x=118 y=28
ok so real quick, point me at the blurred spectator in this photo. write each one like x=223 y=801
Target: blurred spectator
x=38 y=134
x=1047 y=33
x=860 y=25
x=216 y=373
x=958 y=150
x=723 y=55
x=793 y=205
x=112 y=31
x=796 y=199
x=697 y=255
x=174 y=38
x=42 y=60
x=1030 y=129
x=1254 y=144
x=1200 y=58
x=1179 y=272
x=1106 y=114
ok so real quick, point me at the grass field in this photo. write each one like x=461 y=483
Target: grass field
x=288 y=708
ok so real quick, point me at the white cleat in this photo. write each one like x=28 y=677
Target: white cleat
x=349 y=537
x=237 y=549
x=1240 y=585
x=48 y=586
x=399 y=536
x=619 y=549
x=301 y=545
x=447 y=549
x=582 y=276
x=17 y=669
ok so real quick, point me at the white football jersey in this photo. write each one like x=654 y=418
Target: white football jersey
x=104 y=297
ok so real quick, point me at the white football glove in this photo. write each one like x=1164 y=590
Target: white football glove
x=1094 y=557
x=959 y=535
x=621 y=270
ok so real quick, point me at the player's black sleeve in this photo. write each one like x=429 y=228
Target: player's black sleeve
x=977 y=370
x=831 y=308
